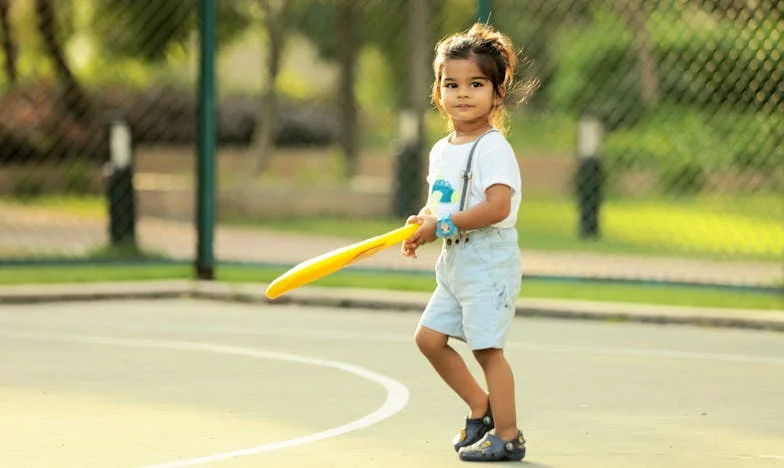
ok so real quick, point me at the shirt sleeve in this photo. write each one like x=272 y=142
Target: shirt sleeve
x=497 y=164
x=433 y=150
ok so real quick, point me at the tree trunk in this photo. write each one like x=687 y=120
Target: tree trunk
x=649 y=77
x=74 y=97
x=9 y=44
x=348 y=46
x=410 y=162
x=263 y=141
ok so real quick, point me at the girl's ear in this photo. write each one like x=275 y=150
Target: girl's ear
x=499 y=96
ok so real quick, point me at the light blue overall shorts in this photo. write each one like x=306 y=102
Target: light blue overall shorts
x=478 y=278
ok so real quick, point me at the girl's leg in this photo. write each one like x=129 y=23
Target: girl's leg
x=500 y=384
x=451 y=367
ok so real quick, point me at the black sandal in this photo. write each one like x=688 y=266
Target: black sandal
x=474 y=430
x=491 y=448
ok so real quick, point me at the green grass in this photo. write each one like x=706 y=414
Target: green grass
x=92 y=207
x=51 y=274
x=532 y=288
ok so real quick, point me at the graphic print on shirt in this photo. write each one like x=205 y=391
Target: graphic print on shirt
x=442 y=193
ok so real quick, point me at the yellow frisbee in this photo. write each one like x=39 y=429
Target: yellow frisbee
x=332 y=261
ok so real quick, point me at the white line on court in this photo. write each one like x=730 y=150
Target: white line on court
x=396 y=400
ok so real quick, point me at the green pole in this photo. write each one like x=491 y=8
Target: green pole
x=205 y=158
x=483 y=11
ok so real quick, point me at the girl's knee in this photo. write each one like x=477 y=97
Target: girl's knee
x=429 y=341
x=486 y=357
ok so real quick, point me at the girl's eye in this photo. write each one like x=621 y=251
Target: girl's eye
x=450 y=85
x=476 y=84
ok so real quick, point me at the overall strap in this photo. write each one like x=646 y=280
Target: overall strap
x=467 y=172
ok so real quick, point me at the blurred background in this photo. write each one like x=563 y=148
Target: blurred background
x=653 y=149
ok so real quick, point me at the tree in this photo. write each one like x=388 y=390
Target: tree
x=632 y=12
x=347 y=19
x=74 y=97
x=8 y=43
x=409 y=177
x=146 y=29
x=275 y=15
x=334 y=28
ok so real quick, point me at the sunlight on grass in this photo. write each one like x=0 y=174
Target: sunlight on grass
x=692 y=229
x=87 y=207
x=661 y=226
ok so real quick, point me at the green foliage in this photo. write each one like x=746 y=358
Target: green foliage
x=533 y=27
x=146 y=29
x=78 y=178
x=683 y=145
x=702 y=60
x=315 y=20
x=709 y=60
x=27 y=183
x=374 y=80
x=756 y=140
x=596 y=71
x=379 y=26
x=542 y=133
x=683 y=177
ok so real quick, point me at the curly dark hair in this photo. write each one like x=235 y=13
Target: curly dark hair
x=495 y=55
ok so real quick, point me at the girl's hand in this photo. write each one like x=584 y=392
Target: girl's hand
x=426 y=233
x=408 y=248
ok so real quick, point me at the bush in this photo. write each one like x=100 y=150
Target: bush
x=720 y=141
x=709 y=61
x=685 y=177
x=33 y=128
x=596 y=72
x=168 y=116
x=684 y=146
x=27 y=183
x=78 y=178
x=701 y=61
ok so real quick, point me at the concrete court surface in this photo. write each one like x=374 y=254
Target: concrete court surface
x=201 y=383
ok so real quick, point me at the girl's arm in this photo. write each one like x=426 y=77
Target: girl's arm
x=494 y=209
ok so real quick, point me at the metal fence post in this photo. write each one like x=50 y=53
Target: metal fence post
x=205 y=161
x=119 y=190
x=590 y=175
x=483 y=11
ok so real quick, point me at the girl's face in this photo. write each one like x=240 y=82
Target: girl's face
x=466 y=93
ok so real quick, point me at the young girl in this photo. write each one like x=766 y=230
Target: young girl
x=474 y=186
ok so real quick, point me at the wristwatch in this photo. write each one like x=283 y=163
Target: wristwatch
x=445 y=227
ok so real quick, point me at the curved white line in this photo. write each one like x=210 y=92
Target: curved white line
x=396 y=400
x=379 y=337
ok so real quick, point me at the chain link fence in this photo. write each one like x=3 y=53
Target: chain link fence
x=653 y=149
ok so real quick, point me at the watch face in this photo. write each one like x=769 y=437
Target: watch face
x=443 y=227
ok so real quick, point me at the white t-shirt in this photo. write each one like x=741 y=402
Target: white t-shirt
x=494 y=163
